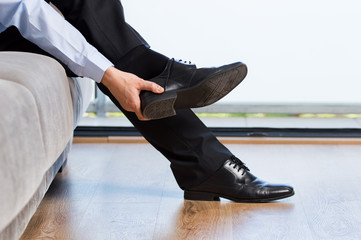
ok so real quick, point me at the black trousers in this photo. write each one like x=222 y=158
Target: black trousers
x=193 y=151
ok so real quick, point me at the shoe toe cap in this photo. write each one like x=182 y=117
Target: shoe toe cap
x=278 y=191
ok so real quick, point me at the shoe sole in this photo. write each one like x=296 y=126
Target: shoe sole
x=208 y=196
x=212 y=89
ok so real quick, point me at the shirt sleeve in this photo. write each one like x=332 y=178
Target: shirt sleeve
x=38 y=22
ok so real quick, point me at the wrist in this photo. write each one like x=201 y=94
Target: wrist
x=107 y=76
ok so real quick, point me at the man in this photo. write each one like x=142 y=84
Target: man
x=95 y=41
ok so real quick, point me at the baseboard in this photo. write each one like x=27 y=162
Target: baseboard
x=231 y=140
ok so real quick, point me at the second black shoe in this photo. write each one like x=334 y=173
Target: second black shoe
x=186 y=86
x=233 y=181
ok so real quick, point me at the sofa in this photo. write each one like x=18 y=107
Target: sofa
x=39 y=110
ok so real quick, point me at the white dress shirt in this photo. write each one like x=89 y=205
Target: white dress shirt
x=38 y=22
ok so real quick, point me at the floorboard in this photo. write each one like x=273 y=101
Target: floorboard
x=127 y=191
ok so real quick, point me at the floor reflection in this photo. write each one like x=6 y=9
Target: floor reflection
x=222 y=220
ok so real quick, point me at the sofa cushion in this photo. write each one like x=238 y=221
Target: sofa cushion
x=22 y=152
x=45 y=79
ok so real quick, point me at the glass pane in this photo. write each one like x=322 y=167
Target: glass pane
x=303 y=56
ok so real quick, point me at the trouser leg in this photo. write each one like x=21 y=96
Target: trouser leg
x=194 y=152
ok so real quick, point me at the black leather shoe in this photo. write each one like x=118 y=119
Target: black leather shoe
x=233 y=181
x=186 y=86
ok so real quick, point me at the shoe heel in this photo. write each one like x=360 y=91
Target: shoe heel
x=157 y=106
x=200 y=196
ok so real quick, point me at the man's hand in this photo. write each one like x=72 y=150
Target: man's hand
x=126 y=88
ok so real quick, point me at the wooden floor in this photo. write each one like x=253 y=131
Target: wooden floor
x=127 y=191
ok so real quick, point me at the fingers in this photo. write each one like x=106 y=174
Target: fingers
x=126 y=88
x=151 y=86
x=140 y=116
x=147 y=86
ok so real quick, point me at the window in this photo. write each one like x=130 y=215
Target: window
x=303 y=57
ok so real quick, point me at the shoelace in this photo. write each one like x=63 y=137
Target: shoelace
x=237 y=163
x=182 y=61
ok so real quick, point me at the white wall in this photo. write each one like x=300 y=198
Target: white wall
x=305 y=51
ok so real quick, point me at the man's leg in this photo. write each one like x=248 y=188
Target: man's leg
x=194 y=152
x=186 y=86
x=202 y=166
